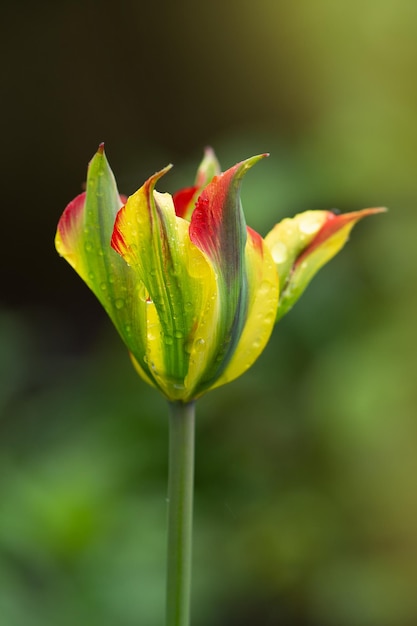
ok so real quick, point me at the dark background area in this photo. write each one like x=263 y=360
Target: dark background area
x=306 y=508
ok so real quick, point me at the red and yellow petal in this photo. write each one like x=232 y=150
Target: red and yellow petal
x=300 y=246
x=185 y=199
x=179 y=286
x=218 y=228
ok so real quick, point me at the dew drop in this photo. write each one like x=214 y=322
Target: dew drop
x=88 y=246
x=178 y=334
x=91 y=276
x=103 y=286
x=310 y=223
x=268 y=319
x=265 y=288
x=200 y=344
x=119 y=303
x=279 y=252
x=168 y=340
x=142 y=292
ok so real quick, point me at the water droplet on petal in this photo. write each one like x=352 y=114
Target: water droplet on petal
x=200 y=344
x=119 y=303
x=279 y=252
x=309 y=223
x=168 y=340
x=88 y=246
x=178 y=334
x=143 y=292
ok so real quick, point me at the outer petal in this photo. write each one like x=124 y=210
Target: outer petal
x=83 y=239
x=300 y=246
x=262 y=308
x=218 y=228
x=178 y=286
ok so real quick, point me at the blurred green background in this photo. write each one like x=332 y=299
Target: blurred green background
x=306 y=468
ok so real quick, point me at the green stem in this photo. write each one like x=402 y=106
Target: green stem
x=180 y=513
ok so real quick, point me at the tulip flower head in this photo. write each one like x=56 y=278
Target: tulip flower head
x=193 y=292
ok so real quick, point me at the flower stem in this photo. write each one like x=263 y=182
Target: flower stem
x=180 y=513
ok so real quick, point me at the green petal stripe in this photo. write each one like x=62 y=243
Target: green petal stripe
x=83 y=239
x=262 y=307
x=218 y=228
x=178 y=286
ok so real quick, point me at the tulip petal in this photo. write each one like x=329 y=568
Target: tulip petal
x=301 y=245
x=218 y=228
x=83 y=239
x=185 y=199
x=262 y=307
x=179 y=288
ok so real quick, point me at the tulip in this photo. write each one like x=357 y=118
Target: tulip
x=194 y=294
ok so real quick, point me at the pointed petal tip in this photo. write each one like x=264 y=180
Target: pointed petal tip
x=380 y=209
x=245 y=165
x=355 y=216
x=364 y=212
x=100 y=149
x=161 y=173
x=152 y=180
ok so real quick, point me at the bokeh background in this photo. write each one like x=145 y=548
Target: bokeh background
x=306 y=468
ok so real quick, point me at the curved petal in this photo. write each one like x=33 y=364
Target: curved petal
x=83 y=239
x=179 y=289
x=218 y=228
x=263 y=294
x=301 y=245
x=185 y=199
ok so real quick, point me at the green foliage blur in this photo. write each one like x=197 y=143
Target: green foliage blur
x=305 y=488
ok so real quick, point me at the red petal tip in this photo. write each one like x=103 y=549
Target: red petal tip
x=101 y=148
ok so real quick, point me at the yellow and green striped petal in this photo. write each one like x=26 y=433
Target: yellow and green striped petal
x=178 y=285
x=83 y=239
x=263 y=291
x=301 y=245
